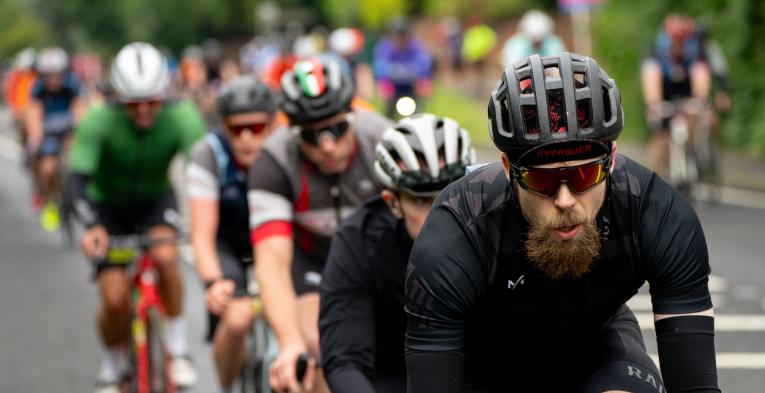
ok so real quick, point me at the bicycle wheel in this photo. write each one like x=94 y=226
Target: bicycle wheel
x=255 y=371
x=159 y=372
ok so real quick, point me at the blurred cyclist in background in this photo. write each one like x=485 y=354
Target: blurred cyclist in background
x=87 y=67
x=49 y=121
x=535 y=35
x=119 y=180
x=194 y=84
x=362 y=291
x=477 y=44
x=217 y=191
x=675 y=69
x=18 y=87
x=348 y=42
x=718 y=67
x=402 y=66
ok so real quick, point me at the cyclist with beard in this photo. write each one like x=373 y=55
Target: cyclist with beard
x=362 y=319
x=519 y=277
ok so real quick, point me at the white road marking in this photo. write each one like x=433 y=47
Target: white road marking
x=734 y=360
x=723 y=322
x=717 y=284
x=746 y=293
x=9 y=149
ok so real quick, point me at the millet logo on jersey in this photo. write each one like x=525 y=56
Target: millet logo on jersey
x=513 y=284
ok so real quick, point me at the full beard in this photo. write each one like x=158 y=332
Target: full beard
x=558 y=258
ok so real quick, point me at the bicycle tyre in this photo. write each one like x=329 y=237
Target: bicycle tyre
x=159 y=372
x=255 y=377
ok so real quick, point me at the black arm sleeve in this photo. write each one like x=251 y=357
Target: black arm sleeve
x=347 y=316
x=83 y=207
x=436 y=372
x=444 y=280
x=674 y=252
x=687 y=354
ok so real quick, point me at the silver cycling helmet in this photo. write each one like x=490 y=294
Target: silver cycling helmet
x=438 y=142
x=51 y=61
x=140 y=72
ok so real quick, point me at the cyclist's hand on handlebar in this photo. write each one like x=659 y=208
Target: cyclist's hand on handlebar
x=95 y=242
x=283 y=373
x=219 y=295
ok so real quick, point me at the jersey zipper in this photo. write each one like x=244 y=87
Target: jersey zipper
x=135 y=194
x=334 y=191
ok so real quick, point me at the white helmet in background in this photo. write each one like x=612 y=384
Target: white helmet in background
x=140 y=72
x=346 y=41
x=52 y=60
x=536 y=25
x=25 y=59
x=437 y=142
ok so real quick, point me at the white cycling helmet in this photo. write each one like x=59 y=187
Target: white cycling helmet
x=423 y=138
x=51 y=61
x=536 y=25
x=25 y=59
x=346 y=41
x=140 y=72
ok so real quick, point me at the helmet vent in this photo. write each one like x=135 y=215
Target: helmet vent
x=139 y=62
x=580 y=79
x=531 y=121
x=584 y=115
x=607 y=112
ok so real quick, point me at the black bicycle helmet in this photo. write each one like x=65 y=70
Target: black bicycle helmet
x=246 y=94
x=315 y=89
x=582 y=103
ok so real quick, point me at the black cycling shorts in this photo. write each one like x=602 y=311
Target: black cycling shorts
x=625 y=363
x=53 y=145
x=138 y=219
x=306 y=272
x=618 y=361
x=235 y=259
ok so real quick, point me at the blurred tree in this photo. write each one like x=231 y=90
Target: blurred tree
x=19 y=28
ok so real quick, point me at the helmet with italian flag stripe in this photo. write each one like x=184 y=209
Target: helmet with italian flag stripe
x=316 y=89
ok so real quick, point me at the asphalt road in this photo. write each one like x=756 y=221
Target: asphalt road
x=47 y=303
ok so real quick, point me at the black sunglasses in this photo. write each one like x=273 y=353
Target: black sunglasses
x=547 y=181
x=314 y=136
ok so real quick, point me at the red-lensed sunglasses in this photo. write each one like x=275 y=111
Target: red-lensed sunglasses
x=547 y=181
x=237 y=129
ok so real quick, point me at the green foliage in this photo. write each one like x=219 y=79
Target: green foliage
x=624 y=32
x=469 y=112
x=489 y=10
x=19 y=28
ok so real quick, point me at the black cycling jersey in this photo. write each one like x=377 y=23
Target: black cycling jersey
x=362 y=321
x=472 y=291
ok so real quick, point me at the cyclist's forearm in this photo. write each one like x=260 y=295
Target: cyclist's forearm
x=207 y=263
x=273 y=258
x=349 y=379
x=33 y=121
x=204 y=224
x=434 y=372
x=83 y=207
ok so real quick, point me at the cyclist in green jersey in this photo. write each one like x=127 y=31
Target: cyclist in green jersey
x=119 y=163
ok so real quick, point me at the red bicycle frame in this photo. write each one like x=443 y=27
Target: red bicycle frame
x=145 y=298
